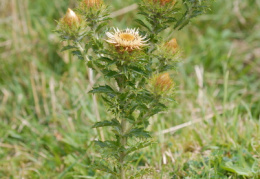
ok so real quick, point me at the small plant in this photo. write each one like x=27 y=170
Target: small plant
x=136 y=65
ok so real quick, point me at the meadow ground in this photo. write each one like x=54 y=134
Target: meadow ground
x=211 y=131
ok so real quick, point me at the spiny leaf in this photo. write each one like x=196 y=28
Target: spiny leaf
x=107 y=144
x=105 y=59
x=138 y=146
x=113 y=122
x=138 y=70
x=102 y=166
x=100 y=26
x=110 y=73
x=103 y=89
x=68 y=47
x=138 y=132
x=78 y=54
x=143 y=172
x=143 y=24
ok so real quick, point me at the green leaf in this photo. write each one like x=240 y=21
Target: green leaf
x=138 y=146
x=133 y=107
x=159 y=108
x=100 y=26
x=130 y=118
x=68 y=47
x=143 y=24
x=138 y=132
x=78 y=54
x=90 y=64
x=171 y=19
x=102 y=166
x=107 y=144
x=244 y=171
x=110 y=73
x=146 y=96
x=113 y=122
x=107 y=101
x=138 y=70
x=101 y=144
x=103 y=89
x=143 y=172
x=98 y=64
x=105 y=59
x=117 y=130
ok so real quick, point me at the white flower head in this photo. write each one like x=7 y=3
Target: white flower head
x=129 y=39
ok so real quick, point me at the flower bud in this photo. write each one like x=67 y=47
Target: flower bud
x=92 y=3
x=172 y=46
x=71 y=19
x=163 y=83
x=69 y=25
x=164 y=2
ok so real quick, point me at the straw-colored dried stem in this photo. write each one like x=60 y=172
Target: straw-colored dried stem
x=91 y=82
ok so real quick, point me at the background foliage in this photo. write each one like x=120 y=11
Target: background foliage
x=46 y=116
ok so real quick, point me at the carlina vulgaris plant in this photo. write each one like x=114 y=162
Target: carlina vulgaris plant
x=136 y=66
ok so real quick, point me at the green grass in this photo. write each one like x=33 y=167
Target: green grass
x=46 y=114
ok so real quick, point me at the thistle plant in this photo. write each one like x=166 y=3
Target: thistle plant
x=136 y=65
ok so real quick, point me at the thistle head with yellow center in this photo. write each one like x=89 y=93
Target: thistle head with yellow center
x=126 y=40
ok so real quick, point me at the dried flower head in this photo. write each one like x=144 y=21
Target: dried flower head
x=162 y=83
x=71 y=19
x=128 y=39
x=92 y=3
x=172 y=45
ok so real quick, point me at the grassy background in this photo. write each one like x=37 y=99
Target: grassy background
x=46 y=114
